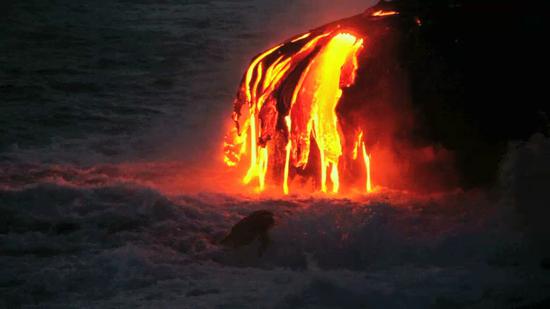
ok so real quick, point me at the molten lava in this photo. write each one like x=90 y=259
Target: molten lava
x=315 y=105
x=290 y=94
x=394 y=97
x=359 y=143
x=382 y=13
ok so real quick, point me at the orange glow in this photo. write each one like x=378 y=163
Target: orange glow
x=335 y=178
x=234 y=146
x=254 y=168
x=258 y=79
x=288 y=148
x=358 y=142
x=305 y=36
x=262 y=167
x=251 y=69
x=310 y=115
x=322 y=88
x=366 y=158
x=381 y=13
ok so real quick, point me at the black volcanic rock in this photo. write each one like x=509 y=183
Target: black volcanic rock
x=252 y=227
x=476 y=71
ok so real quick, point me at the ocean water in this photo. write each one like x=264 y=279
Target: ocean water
x=129 y=80
x=108 y=111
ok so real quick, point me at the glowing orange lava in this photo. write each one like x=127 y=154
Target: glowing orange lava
x=359 y=143
x=381 y=13
x=284 y=122
x=320 y=89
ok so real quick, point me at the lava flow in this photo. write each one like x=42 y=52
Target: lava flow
x=395 y=97
x=291 y=93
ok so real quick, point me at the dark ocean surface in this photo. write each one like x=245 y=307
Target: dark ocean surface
x=126 y=80
x=101 y=105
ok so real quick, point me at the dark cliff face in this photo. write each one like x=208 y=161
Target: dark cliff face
x=469 y=76
x=476 y=75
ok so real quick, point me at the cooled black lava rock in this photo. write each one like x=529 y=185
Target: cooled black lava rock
x=254 y=226
x=474 y=72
